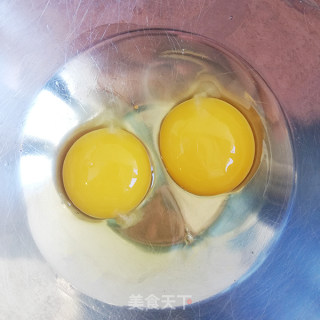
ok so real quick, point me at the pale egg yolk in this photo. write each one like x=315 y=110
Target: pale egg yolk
x=107 y=172
x=207 y=146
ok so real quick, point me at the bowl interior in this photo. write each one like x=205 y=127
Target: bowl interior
x=140 y=69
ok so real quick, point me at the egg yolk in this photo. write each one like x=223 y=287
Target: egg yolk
x=107 y=172
x=207 y=146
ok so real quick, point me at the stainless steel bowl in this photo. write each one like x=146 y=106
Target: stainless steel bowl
x=276 y=271
x=137 y=77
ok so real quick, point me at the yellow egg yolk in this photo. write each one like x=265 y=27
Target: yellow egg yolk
x=207 y=146
x=106 y=173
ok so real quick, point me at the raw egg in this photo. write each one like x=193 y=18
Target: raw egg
x=207 y=146
x=107 y=172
